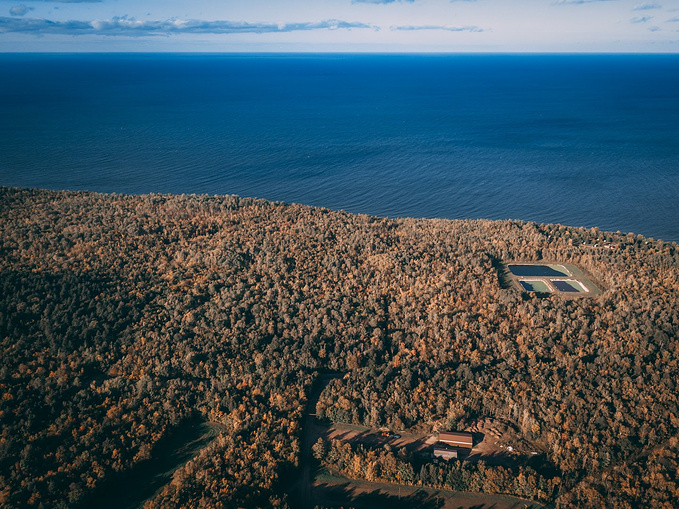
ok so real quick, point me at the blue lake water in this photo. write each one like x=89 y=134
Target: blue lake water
x=583 y=140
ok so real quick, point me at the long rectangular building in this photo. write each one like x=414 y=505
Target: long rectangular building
x=457 y=439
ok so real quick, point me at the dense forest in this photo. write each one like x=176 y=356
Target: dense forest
x=122 y=317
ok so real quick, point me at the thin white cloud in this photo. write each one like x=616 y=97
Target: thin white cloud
x=654 y=29
x=438 y=27
x=124 y=26
x=19 y=10
x=646 y=7
x=643 y=19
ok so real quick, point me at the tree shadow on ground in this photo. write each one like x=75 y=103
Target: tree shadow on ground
x=347 y=495
x=343 y=494
x=131 y=488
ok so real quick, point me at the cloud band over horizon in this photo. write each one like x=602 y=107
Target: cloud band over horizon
x=124 y=26
x=340 y=25
x=438 y=27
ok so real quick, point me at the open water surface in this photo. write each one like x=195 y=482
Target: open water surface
x=582 y=140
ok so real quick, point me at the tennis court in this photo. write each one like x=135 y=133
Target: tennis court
x=551 y=278
x=539 y=271
x=569 y=285
x=535 y=285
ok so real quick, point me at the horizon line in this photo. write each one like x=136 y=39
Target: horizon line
x=336 y=52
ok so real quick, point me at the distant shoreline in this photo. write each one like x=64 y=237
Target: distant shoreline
x=593 y=245
x=567 y=138
x=605 y=245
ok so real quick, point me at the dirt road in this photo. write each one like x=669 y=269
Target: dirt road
x=302 y=489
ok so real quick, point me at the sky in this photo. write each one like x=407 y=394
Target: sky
x=451 y=26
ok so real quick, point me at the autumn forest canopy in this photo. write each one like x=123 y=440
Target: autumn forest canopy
x=124 y=317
